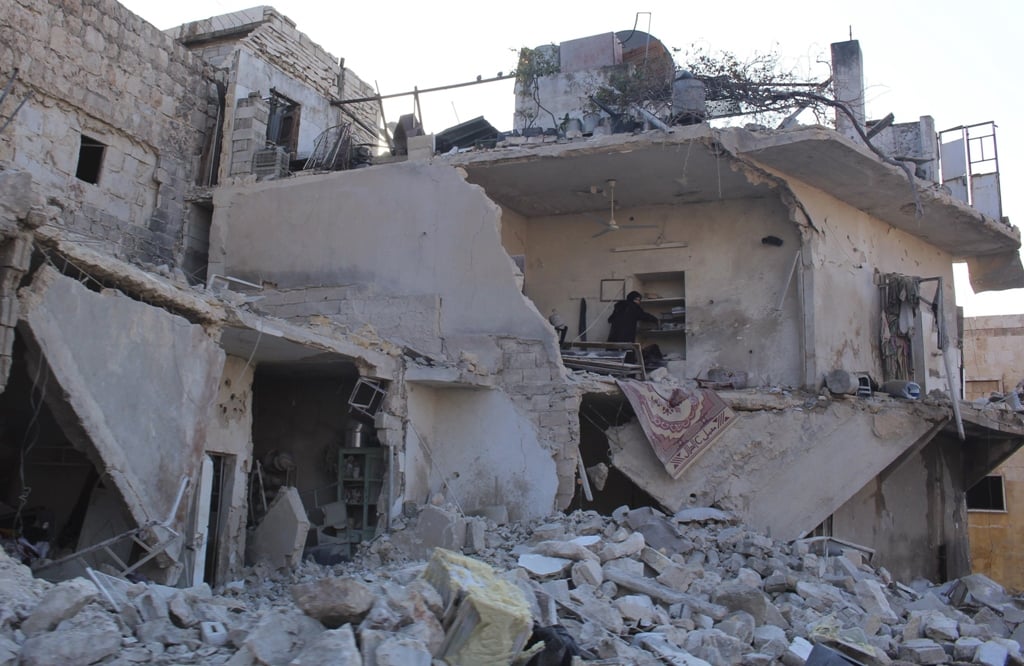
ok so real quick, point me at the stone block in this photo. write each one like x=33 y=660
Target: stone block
x=487 y=619
x=922 y=651
x=991 y=653
x=587 y=572
x=873 y=600
x=63 y=601
x=334 y=601
x=280 y=537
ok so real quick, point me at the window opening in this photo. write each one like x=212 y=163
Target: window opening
x=90 y=159
x=987 y=495
x=283 y=123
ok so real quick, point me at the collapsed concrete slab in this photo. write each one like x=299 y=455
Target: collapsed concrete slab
x=796 y=449
x=145 y=435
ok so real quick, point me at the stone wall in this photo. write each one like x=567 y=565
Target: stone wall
x=94 y=69
x=993 y=349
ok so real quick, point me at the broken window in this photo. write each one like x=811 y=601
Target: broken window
x=90 y=159
x=283 y=122
x=987 y=495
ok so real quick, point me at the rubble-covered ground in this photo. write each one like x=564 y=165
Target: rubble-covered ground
x=635 y=588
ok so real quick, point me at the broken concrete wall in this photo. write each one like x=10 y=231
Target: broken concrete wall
x=840 y=263
x=95 y=70
x=132 y=383
x=921 y=499
x=229 y=433
x=779 y=465
x=734 y=283
x=475 y=467
x=410 y=253
x=409 y=232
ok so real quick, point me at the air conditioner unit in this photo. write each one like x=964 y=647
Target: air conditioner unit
x=270 y=163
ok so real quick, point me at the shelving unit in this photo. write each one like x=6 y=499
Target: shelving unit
x=360 y=479
x=664 y=295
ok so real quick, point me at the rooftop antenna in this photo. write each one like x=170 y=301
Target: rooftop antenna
x=851 y=32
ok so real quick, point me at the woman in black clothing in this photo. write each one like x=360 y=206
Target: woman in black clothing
x=625 y=316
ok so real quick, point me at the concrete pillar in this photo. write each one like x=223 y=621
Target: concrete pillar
x=848 y=83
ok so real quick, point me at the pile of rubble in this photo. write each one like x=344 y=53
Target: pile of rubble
x=638 y=587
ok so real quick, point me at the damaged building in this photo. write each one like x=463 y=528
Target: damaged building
x=224 y=338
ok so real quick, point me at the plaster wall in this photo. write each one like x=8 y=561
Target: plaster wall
x=147 y=434
x=844 y=256
x=412 y=253
x=921 y=500
x=515 y=231
x=93 y=68
x=783 y=468
x=501 y=464
x=229 y=433
x=733 y=282
x=382 y=230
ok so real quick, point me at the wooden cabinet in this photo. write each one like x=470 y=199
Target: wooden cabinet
x=360 y=479
x=664 y=296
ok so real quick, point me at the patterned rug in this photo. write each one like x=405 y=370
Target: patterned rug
x=680 y=424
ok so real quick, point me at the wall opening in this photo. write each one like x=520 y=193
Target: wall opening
x=598 y=412
x=306 y=436
x=54 y=500
x=283 y=122
x=197 y=243
x=90 y=159
x=987 y=495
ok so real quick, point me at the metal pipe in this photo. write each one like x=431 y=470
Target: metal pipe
x=377 y=98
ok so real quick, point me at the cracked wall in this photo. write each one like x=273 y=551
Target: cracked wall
x=411 y=253
x=95 y=69
x=133 y=383
x=839 y=267
x=778 y=464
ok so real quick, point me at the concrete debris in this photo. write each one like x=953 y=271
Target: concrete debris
x=281 y=536
x=728 y=595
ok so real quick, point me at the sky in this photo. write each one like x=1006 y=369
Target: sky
x=954 y=61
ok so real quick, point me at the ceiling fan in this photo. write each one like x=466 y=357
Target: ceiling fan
x=611 y=224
